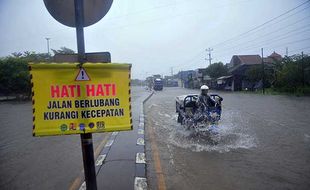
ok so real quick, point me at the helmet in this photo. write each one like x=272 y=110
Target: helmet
x=204 y=90
x=204 y=87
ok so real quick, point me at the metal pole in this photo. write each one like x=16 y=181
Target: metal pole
x=48 y=45
x=303 y=70
x=209 y=54
x=86 y=139
x=263 y=65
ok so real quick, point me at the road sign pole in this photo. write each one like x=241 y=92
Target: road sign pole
x=86 y=139
x=88 y=160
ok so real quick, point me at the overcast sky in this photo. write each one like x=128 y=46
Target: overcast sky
x=157 y=35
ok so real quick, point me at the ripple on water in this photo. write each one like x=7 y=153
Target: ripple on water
x=233 y=134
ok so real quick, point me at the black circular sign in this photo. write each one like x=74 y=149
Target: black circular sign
x=63 y=10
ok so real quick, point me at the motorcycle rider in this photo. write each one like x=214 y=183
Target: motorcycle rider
x=204 y=101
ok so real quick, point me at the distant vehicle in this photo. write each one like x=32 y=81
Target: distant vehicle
x=158 y=84
x=202 y=121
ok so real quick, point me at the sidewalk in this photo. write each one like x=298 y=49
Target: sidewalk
x=121 y=163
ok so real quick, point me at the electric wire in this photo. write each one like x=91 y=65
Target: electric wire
x=261 y=25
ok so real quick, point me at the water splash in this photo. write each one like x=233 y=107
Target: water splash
x=232 y=135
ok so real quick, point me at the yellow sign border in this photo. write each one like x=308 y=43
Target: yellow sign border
x=105 y=66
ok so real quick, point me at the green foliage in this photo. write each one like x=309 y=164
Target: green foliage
x=63 y=50
x=14 y=76
x=294 y=74
x=254 y=74
x=216 y=70
x=291 y=75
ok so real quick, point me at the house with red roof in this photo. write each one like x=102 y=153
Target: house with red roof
x=238 y=66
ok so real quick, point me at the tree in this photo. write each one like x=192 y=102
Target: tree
x=63 y=50
x=14 y=76
x=32 y=56
x=292 y=74
x=216 y=70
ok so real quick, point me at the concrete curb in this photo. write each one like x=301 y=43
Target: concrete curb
x=140 y=182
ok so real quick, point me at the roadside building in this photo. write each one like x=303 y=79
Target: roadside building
x=239 y=65
x=186 y=78
x=170 y=81
x=224 y=83
x=203 y=78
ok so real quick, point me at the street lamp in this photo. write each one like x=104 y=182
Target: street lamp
x=48 y=45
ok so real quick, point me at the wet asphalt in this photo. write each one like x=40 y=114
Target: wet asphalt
x=55 y=162
x=264 y=144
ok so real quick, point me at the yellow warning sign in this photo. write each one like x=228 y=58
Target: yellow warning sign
x=71 y=100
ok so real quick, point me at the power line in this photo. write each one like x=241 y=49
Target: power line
x=270 y=33
x=300 y=49
x=283 y=19
x=259 y=26
x=270 y=40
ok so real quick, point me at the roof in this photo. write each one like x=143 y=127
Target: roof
x=274 y=57
x=224 y=77
x=241 y=61
x=249 y=59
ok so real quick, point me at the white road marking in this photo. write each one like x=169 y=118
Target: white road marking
x=140 y=158
x=100 y=159
x=109 y=143
x=141 y=124
x=115 y=133
x=140 y=183
x=83 y=186
x=140 y=141
x=140 y=131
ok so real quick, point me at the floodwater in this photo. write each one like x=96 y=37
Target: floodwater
x=28 y=162
x=264 y=143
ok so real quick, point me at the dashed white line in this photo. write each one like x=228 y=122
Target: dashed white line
x=115 y=133
x=140 y=141
x=140 y=183
x=100 y=159
x=140 y=131
x=140 y=158
x=83 y=186
x=109 y=143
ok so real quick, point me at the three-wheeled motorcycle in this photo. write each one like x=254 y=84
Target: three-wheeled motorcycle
x=201 y=119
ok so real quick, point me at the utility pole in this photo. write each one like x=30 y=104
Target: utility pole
x=48 y=45
x=303 y=70
x=263 y=65
x=286 y=51
x=171 y=71
x=209 y=54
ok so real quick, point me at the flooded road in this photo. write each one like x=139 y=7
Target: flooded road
x=28 y=162
x=264 y=143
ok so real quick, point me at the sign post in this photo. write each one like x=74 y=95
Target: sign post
x=86 y=139
x=94 y=10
